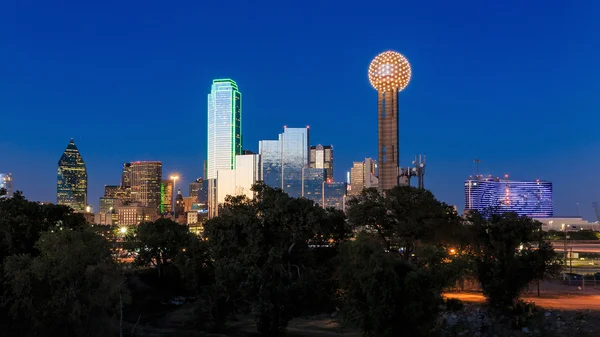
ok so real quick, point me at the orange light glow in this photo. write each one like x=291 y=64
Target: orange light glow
x=389 y=71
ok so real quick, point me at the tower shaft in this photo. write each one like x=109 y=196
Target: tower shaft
x=388 y=152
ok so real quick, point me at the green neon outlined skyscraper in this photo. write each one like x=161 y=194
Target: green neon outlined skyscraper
x=224 y=126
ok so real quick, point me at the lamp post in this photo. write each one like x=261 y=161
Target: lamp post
x=174 y=178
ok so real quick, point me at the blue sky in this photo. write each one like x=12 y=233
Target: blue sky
x=514 y=83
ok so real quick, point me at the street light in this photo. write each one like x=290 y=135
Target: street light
x=123 y=230
x=174 y=178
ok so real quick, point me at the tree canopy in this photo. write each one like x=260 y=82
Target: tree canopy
x=263 y=255
x=72 y=288
x=508 y=253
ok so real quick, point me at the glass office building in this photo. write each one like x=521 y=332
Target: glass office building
x=312 y=184
x=72 y=179
x=6 y=183
x=146 y=181
x=334 y=195
x=282 y=160
x=530 y=198
x=166 y=196
x=224 y=126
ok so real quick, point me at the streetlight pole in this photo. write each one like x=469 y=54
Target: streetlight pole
x=173 y=194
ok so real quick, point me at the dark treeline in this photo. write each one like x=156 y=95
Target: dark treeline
x=384 y=266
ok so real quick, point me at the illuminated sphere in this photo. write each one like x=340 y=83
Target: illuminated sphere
x=389 y=71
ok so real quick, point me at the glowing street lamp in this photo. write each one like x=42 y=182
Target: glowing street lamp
x=123 y=230
x=174 y=178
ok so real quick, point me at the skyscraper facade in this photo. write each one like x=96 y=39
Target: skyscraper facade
x=72 y=179
x=146 y=179
x=530 y=198
x=334 y=194
x=363 y=175
x=312 y=184
x=6 y=183
x=195 y=189
x=224 y=126
x=389 y=73
x=126 y=176
x=282 y=160
x=166 y=196
x=321 y=156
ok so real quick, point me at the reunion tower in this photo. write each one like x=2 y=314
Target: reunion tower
x=389 y=73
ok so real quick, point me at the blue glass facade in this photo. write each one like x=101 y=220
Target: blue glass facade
x=224 y=126
x=312 y=184
x=283 y=160
x=333 y=195
x=72 y=179
x=530 y=198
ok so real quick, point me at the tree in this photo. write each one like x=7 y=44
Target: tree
x=263 y=255
x=386 y=295
x=509 y=253
x=72 y=288
x=22 y=221
x=159 y=242
x=405 y=217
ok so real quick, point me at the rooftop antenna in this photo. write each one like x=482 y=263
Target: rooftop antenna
x=477 y=161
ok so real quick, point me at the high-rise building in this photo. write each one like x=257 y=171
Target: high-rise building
x=108 y=204
x=321 y=156
x=6 y=184
x=166 y=196
x=363 y=175
x=282 y=160
x=196 y=189
x=247 y=173
x=72 y=179
x=224 y=126
x=126 y=176
x=179 y=205
x=239 y=181
x=389 y=73
x=312 y=184
x=530 y=198
x=224 y=134
x=334 y=195
x=146 y=179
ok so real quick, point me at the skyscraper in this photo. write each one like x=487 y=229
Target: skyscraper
x=72 y=179
x=530 y=198
x=126 y=176
x=195 y=189
x=321 y=156
x=179 y=205
x=282 y=160
x=166 y=196
x=389 y=73
x=224 y=126
x=312 y=184
x=146 y=178
x=6 y=183
x=363 y=175
x=224 y=134
x=334 y=195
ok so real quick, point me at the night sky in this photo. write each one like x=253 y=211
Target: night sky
x=514 y=83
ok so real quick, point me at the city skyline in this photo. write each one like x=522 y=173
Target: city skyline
x=463 y=104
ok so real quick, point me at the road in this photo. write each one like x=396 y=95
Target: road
x=562 y=302
x=577 y=247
